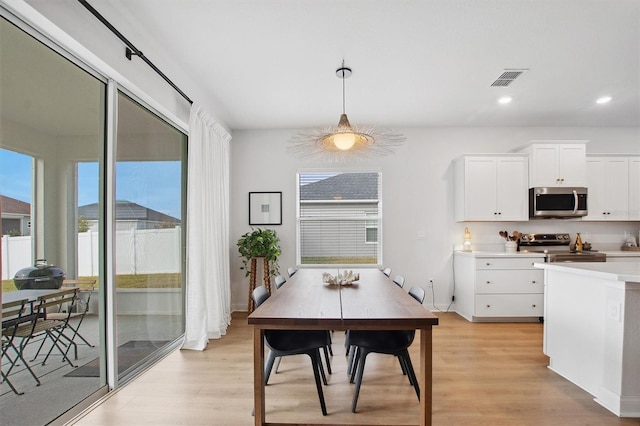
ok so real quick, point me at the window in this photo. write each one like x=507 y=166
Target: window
x=371 y=229
x=339 y=219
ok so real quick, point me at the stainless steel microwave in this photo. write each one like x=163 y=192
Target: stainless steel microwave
x=557 y=202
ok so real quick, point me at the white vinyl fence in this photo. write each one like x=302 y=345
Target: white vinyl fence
x=145 y=251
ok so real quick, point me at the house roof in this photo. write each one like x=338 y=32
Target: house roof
x=13 y=206
x=345 y=186
x=127 y=210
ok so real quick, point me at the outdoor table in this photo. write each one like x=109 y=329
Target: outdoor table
x=30 y=295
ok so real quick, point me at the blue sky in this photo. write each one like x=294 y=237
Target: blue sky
x=152 y=184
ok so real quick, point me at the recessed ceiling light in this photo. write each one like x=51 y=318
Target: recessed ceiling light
x=604 y=100
x=504 y=100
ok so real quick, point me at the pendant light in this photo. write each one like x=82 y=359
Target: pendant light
x=344 y=141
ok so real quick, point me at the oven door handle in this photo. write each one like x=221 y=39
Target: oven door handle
x=575 y=201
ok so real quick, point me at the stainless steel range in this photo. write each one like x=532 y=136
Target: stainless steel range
x=557 y=248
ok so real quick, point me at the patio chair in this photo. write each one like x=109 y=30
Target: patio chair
x=46 y=329
x=13 y=315
x=78 y=310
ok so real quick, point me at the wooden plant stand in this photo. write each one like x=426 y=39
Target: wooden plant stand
x=252 y=280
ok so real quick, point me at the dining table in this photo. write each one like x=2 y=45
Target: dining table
x=30 y=295
x=373 y=302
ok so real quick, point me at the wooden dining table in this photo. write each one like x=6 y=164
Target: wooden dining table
x=374 y=302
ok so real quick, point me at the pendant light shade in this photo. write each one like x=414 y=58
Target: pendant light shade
x=344 y=141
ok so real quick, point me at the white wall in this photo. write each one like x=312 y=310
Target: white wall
x=419 y=232
x=417 y=183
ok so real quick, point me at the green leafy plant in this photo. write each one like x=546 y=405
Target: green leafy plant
x=260 y=243
x=83 y=224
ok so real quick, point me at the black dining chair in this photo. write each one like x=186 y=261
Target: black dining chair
x=399 y=280
x=294 y=342
x=279 y=281
x=391 y=342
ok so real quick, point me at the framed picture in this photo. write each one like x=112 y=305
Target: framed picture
x=265 y=208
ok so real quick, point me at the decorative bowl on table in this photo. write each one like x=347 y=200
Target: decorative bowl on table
x=346 y=278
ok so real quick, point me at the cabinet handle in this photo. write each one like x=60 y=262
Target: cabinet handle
x=533 y=282
x=488 y=306
x=488 y=264
x=488 y=282
x=533 y=306
x=499 y=212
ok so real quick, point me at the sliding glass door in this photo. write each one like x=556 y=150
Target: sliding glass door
x=56 y=187
x=52 y=119
x=150 y=182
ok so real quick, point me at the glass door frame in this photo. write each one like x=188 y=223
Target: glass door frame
x=33 y=24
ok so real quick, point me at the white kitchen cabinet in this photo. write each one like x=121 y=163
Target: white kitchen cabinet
x=491 y=187
x=608 y=186
x=557 y=164
x=493 y=287
x=634 y=188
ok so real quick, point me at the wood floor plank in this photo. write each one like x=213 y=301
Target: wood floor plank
x=483 y=374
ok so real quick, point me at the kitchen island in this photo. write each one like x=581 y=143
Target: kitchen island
x=592 y=329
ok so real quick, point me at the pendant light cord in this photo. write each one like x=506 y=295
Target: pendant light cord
x=344 y=109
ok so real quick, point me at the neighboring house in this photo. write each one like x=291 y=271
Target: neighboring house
x=16 y=216
x=340 y=199
x=129 y=216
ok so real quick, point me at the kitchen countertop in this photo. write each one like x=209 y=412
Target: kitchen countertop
x=613 y=253
x=499 y=254
x=620 y=253
x=615 y=271
x=591 y=335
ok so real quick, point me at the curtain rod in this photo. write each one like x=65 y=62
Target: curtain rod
x=131 y=50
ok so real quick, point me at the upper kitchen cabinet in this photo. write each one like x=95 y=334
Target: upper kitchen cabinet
x=634 y=188
x=557 y=164
x=608 y=185
x=491 y=187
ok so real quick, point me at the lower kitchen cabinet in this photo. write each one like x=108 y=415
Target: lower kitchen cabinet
x=498 y=287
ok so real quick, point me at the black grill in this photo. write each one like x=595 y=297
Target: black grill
x=39 y=277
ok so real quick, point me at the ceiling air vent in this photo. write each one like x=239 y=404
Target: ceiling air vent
x=507 y=77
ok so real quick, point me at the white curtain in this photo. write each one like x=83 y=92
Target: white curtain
x=208 y=278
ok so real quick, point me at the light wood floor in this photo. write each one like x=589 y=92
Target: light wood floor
x=483 y=374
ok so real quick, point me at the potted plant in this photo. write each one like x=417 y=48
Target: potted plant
x=260 y=243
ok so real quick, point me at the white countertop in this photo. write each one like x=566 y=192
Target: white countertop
x=621 y=253
x=612 y=253
x=614 y=271
x=499 y=254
